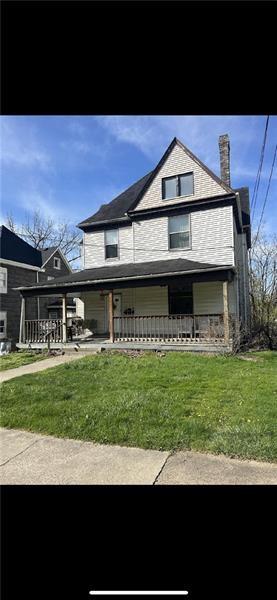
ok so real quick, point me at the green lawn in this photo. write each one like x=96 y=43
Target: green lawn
x=18 y=359
x=208 y=403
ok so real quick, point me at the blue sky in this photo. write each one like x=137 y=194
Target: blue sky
x=68 y=166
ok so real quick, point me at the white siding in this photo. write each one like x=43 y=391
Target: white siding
x=152 y=300
x=211 y=238
x=208 y=298
x=179 y=162
x=94 y=247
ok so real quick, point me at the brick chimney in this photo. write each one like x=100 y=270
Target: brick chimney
x=224 y=154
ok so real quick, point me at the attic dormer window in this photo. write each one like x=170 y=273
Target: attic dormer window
x=179 y=185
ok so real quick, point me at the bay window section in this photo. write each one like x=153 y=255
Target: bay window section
x=111 y=243
x=179 y=232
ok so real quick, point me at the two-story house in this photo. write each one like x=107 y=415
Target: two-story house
x=21 y=264
x=167 y=259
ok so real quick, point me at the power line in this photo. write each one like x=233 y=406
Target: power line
x=149 y=250
x=266 y=195
x=258 y=178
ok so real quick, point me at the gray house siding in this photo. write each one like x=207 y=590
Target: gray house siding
x=11 y=301
x=50 y=271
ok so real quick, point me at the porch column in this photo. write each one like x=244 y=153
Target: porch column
x=111 y=327
x=64 y=319
x=225 y=311
x=22 y=322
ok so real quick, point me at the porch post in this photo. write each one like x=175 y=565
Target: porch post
x=22 y=322
x=64 y=319
x=111 y=325
x=225 y=311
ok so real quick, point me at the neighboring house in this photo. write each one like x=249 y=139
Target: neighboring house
x=167 y=259
x=21 y=264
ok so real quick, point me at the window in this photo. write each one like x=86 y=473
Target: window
x=179 y=232
x=49 y=277
x=111 y=243
x=3 y=280
x=53 y=315
x=3 y=325
x=181 y=300
x=179 y=185
x=57 y=263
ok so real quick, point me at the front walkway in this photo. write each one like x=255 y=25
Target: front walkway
x=28 y=458
x=35 y=367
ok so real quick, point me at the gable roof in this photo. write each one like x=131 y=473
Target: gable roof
x=128 y=200
x=47 y=253
x=12 y=247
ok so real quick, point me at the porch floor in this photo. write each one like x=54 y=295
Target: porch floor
x=101 y=344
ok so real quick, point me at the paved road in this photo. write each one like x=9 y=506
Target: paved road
x=28 y=458
x=46 y=363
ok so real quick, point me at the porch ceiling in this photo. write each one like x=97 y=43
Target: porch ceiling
x=129 y=275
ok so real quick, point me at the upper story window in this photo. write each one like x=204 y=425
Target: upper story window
x=179 y=185
x=111 y=243
x=179 y=232
x=3 y=280
x=57 y=263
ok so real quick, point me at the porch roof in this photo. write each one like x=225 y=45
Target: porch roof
x=113 y=275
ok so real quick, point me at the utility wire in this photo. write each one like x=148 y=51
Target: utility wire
x=258 y=178
x=266 y=195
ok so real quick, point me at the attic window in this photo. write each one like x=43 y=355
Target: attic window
x=57 y=263
x=179 y=185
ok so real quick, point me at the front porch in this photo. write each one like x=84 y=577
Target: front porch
x=187 y=312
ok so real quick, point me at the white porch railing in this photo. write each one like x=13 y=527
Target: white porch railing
x=170 y=328
x=43 y=330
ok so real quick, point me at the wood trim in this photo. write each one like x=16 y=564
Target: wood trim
x=111 y=322
x=226 y=311
x=64 y=318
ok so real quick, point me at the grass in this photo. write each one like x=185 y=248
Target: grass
x=18 y=359
x=181 y=400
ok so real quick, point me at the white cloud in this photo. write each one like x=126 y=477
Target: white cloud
x=19 y=147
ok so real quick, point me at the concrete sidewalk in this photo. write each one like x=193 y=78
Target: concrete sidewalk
x=28 y=458
x=46 y=363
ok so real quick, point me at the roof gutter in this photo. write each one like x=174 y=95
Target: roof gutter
x=96 y=223
x=132 y=278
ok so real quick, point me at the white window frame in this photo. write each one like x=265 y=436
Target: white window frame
x=4 y=288
x=178 y=185
x=3 y=317
x=181 y=249
x=105 y=244
x=58 y=261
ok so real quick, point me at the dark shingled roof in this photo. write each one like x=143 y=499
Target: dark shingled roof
x=134 y=270
x=47 y=252
x=12 y=247
x=128 y=200
x=117 y=208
